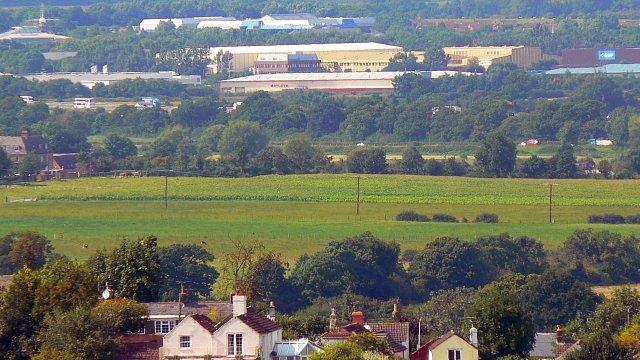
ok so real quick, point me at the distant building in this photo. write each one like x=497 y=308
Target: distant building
x=609 y=69
x=523 y=56
x=283 y=63
x=244 y=334
x=91 y=79
x=30 y=34
x=474 y=24
x=549 y=346
x=447 y=347
x=342 y=57
x=345 y=83
x=194 y=22
x=17 y=147
x=593 y=57
x=289 y=21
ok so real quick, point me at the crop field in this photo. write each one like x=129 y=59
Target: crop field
x=302 y=213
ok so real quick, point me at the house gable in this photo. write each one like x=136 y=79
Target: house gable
x=439 y=349
x=200 y=339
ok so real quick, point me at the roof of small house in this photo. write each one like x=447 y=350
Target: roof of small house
x=207 y=323
x=172 y=308
x=65 y=161
x=258 y=322
x=139 y=347
x=399 y=331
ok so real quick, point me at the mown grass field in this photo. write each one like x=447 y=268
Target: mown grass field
x=298 y=214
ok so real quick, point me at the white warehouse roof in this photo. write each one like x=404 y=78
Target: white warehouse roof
x=339 y=76
x=371 y=46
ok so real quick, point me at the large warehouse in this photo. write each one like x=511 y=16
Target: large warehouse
x=597 y=57
x=346 y=83
x=344 y=57
x=523 y=56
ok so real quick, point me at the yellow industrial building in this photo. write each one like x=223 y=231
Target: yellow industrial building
x=523 y=56
x=345 y=57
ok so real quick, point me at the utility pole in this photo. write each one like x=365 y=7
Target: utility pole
x=550 y=202
x=358 y=198
x=166 y=190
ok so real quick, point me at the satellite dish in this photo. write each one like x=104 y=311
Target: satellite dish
x=106 y=294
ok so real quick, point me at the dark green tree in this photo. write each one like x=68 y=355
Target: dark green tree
x=242 y=140
x=497 y=155
x=367 y=161
x=119 y=146
x=564 y=162
x=5 y=163
x=435 y=59
x=504 y=327
x=187 y=264
x=412 y=161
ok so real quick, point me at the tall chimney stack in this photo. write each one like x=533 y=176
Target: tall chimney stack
x=24 y=134
x=473 y=335
x=239 y=304
x=560 y=335
x=272 y=311
x=395 y=315
x=333 y=320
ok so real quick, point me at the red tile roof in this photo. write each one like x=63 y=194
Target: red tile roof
x=139 y=347
x=258 y=322
x=205 y=322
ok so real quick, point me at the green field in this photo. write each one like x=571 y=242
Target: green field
x=301 y=213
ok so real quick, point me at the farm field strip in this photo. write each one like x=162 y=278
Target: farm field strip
x=342 y=188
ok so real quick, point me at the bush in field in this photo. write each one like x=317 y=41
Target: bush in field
x=487 y=218
x=633 y=219
x=409 y=215
x=445 y=218
x=606 y=219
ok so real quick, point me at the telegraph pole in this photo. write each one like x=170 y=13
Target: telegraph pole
x=358 y=198
x=166 y=190
x=550 y=202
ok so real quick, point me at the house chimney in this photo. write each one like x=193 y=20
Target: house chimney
x=357 y=317
x=183 y=293
x=473 y=335
x=272 y=311
x=332 y=320
x=24 y=134
x=239 y=304
x=560 y=339
x=395 y=315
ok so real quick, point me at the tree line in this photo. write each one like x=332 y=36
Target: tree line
x=512 y=286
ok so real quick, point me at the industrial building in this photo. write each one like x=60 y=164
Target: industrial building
x=346 y=57
x=30 y=34
x=91 y=79
x=523 y=56
x=224 y=22
x=346 y=83
x=267 y=22
x=609 y=69
x=597 y=57
x=282 y=63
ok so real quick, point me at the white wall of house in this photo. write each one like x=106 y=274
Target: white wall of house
x=200 y=339
x=252 y=342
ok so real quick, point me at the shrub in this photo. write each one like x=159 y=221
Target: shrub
x=444 y=218
x=606 y=219
x=487 y=218
x=409 y=215
x=633 y=219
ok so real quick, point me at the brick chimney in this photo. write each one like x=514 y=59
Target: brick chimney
x=333 y=319
x=24 y=134
x=357 y=317
x=560 y=339
x=395 y=315
x=272 y=311
x=183 y=293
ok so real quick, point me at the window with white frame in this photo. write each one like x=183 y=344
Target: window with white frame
x=455 y=354
x=164 y=326
x=234 y=344
x=185 y=342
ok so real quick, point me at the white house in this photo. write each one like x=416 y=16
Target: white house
x=245 y=332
